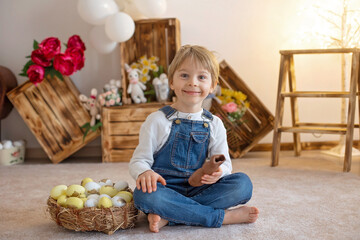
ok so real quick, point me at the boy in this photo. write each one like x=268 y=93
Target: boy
x=175 y=141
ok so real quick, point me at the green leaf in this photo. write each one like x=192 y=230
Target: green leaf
x=86 y=125
x=35 y=45
x=59 y=75
x=28 y=56
x=26 y=67
x=23 y=74
x=96 y=126
x=65 y=44
x=85 y=133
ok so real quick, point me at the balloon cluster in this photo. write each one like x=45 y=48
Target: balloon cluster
x=113 y=19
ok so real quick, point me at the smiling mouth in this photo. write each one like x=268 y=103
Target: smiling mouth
x=192 y=92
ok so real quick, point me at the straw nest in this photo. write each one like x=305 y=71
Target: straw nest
x=106 y=220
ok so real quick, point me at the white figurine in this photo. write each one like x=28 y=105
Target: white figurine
x=92 y=105
x=161 y=85
x=136 y=88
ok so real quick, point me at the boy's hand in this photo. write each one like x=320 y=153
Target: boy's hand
x=147 y=181
x=212 y=178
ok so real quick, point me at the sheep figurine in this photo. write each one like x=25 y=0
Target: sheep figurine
x=92 y=105
x=135 y=88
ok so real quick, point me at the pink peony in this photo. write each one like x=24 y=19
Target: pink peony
x=229 y=107
x=76 y=42
x=64 y=64
x=50 y=47
x=38 y=57
x=35 y=74
x=77 y=56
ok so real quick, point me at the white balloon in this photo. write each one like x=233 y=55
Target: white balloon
x=100 y=41
x=151 y=8
x=133 y=11
x=96 y=11
x=119 y=27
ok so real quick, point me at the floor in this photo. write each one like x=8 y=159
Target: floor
x=287 y=159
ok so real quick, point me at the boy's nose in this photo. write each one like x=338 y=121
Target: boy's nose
x=193 y=81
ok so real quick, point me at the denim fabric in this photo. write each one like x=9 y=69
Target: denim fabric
x=183 y=153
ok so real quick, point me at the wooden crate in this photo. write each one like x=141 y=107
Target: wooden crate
x=121 y=127
x=258 y=120
x=54 y=114
x=152 y=37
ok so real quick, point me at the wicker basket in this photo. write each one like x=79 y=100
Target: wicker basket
x=106 y=220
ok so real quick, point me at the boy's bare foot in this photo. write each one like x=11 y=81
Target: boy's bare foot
x=243 y=214
x=156 y=222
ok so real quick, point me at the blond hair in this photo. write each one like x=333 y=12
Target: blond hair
x=202 y=55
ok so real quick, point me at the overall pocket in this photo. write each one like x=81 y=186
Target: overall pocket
x=189 y=151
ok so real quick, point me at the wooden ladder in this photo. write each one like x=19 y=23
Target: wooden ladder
x=287 y=71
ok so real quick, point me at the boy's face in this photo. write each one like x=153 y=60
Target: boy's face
x=191 y=83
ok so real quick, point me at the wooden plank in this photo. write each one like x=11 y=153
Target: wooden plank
x=105 y=112
x=317 y=51
x=316 y=94
x=36 y=124
x=355 y=72
x=324 y=130
x=120 y=155
x=72 y=103
x=59 y=113
x=284 y=62
x=52 y=124
x=123 y=142
x=124 y=128
x=343 y=125
x=294 y=105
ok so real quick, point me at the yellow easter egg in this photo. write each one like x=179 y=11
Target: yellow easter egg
x=74 y=202
x=85 y=181
x=109 y=190
x=127 y=196
x=105 y=202
x=62 y=200
x=57 y=191
x=75 y=190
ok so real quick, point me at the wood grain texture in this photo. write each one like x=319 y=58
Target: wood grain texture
x=54 y=115
x=258 y=120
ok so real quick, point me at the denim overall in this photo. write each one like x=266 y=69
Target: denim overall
x=185 y=151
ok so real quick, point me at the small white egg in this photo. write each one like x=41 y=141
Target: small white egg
x=104 y=195
x=19 y=143
x=107 y=182
x=93 y=196
x=92 y=187
x=7 y=144
x=121 y=185
x=118 y=201
x=92 y=202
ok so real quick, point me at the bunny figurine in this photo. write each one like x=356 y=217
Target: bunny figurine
x=92 y=105
x=135 y=88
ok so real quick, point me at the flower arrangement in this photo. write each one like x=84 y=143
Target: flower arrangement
x=149 y=70
x=234 y=103
x=110 y=98
x=47 y=59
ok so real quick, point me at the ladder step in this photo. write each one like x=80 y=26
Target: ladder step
x=316 y=94
x=324 y=130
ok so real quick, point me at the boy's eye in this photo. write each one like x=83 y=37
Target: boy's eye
x=202 y=77
x=184 y=75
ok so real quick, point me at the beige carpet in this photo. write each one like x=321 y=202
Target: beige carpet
x=303 y=198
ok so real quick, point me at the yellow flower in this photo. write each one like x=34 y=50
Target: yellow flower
x=154 y=67
x=135 y=65
x=142 y=58
x=144 y=78
x=247 y=104
x=145 y=62
x=154 y=59
x=145 y=71
x=240 y=96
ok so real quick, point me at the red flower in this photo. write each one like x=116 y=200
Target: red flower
x=50 y=47
x=64 y=64
x=77 y=55
x=35 y=74
x=229 y=107
x=76 y=42
x=38 y=57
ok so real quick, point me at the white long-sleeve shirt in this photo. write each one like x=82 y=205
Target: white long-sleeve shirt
x=155 y=131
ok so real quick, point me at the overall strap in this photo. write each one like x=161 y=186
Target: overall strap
x=168 y=111
x=207 y=114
